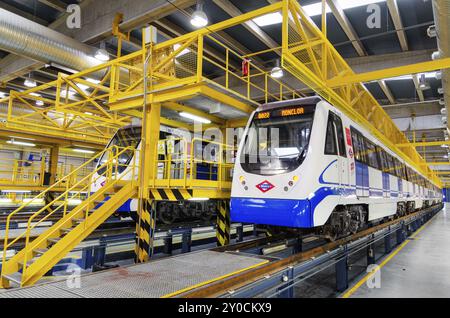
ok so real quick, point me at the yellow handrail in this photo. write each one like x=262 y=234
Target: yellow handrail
x=110 y=164
x=73 y=187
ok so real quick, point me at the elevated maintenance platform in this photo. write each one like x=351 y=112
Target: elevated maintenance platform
x=163 y=278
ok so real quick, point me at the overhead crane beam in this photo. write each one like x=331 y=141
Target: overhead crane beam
x=425 y=143
x=395 y=15
x=314 y=61
x=251 y=26
x=386 y=91
x=345 y=24
x=421 y=67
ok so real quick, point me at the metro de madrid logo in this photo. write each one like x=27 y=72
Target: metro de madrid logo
x=265 y=186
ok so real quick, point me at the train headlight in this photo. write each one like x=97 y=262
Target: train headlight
x=242 y=180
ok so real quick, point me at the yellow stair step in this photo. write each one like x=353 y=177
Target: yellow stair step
x=40 y=251
x=54 y=240
x=14 y=277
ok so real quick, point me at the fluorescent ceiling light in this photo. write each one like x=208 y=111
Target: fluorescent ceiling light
x=39 y=103
x=195 y=118
x=2 y=95
x=16 y=191
x=102 y=55
x=269 y=19
x=316 y=8
x=33 y=200
x=74 y=201
x=64 y=93
x=92 y=80
x=20 y=143
x=13 y=137
x=83 y=151
x=177 y=46
x=30 y=83
x=83 y=86
x=198 y=199
x=5 y=200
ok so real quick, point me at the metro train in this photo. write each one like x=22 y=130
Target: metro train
x=167 y=212
x=304 y=166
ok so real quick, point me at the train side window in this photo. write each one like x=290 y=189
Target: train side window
x=384 y=157
x=340 y=134
x=356 y=148
x=330 y=141
x=391 y=164
x=372 y=155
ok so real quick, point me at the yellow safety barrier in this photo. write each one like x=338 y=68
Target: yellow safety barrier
x=197 y=164
x=22 y=172
x=106 y=171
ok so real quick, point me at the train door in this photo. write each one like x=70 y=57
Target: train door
x=342 y=154
x=333 y=173
x=361 y=167
x=337 y=130
x=385 y=174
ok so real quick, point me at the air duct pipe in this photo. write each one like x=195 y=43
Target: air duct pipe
x=31 y=40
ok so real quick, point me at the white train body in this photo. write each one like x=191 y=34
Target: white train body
x=323 y=162
x=129 y=136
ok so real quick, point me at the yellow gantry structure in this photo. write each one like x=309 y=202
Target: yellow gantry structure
x=91 y=104
x=155 y=84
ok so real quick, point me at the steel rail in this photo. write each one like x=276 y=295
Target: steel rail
x=232 y=283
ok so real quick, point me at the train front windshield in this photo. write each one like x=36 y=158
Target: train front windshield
x=277 y=140
x=125 y=137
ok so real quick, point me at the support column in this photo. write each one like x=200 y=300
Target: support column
x=53 y=164
x=145 y=229
x=223 y=223
x=50 y=177
x=145 y=225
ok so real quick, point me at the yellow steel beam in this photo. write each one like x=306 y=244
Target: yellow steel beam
x=439 y=163
x=180 y=108
x=336 y=82
x=237 y=123
x=53 y=163
x=439 y=173
x=389 y=72
x=48 y=141
x=425 y=143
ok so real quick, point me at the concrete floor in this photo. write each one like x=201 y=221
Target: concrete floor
x=420 y=269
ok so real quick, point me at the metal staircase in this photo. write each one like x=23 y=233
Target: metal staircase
x=40 y=254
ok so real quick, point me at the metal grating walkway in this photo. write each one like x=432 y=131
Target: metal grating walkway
x=162 y=278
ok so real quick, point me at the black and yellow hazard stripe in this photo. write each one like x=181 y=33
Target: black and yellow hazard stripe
x=223 y=223
x=170 y=194
x=49 y=197
x=145 y=229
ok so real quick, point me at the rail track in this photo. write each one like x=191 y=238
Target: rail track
x=276 y=267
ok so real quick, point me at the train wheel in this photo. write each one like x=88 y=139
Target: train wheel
x=168 y=214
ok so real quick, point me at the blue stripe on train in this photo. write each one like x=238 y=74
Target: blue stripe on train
x=124 y=208
x=291 y=213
